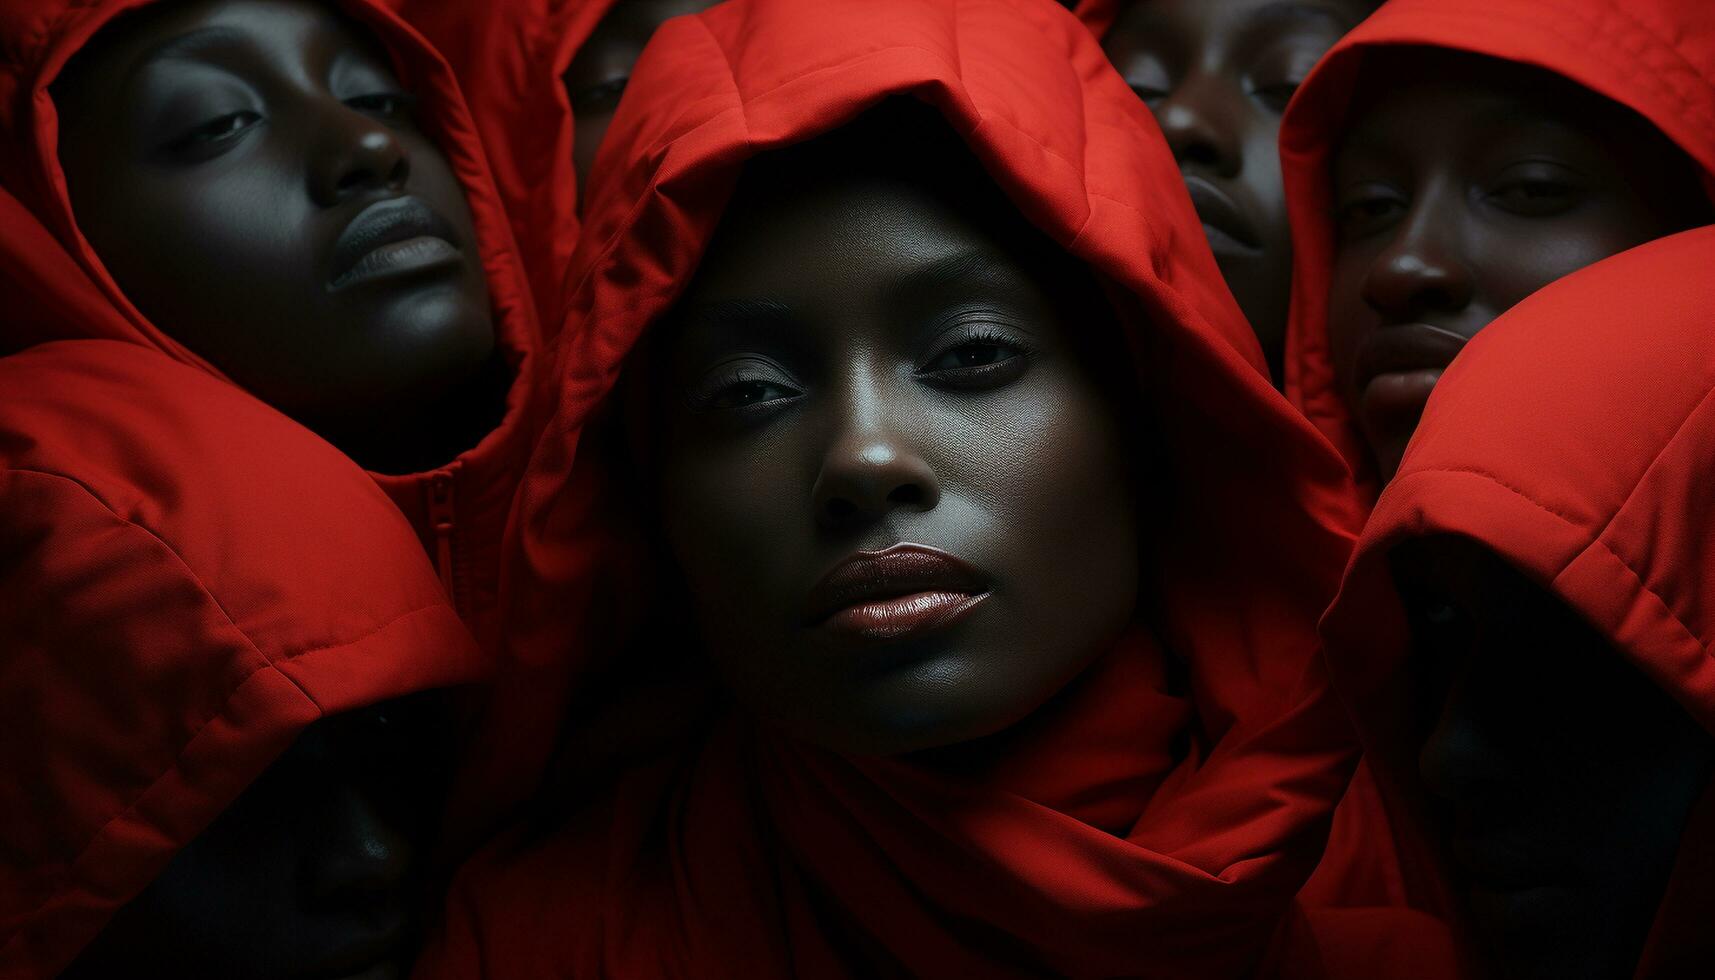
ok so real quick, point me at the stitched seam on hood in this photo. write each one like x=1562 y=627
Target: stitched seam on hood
x=1596 y=540
x=1590 y=41
x=58 y=882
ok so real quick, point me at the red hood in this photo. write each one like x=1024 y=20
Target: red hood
x=1584 y=463
x=54 y=287
x=1097 y=15
x=676 y=872
x=174 y=617
x=1656 y=57
x=511 y=59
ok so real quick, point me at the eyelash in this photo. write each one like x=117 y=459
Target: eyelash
x=393 y=105
x=987 y=375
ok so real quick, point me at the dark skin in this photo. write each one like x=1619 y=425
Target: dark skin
x=314 y=871
x=596 y=78
x=1564 y=777
x=1465 y=184
x=219 y=156
x=866 y=359
x=1217 y=74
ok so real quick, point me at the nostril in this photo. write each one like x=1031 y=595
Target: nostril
x=906 y=493
x=1203 y=153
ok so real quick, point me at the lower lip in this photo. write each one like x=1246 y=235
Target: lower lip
x=905 y=616
x=401 y=258
x=1399 y=396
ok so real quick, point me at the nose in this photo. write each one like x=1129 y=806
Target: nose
x=356 y=154
x=1421 y=270
x=870 y=466
x=1196 y=123
x=360 y=856
x=1459 y=759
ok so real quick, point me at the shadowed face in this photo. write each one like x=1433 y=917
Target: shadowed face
x=1217 y=74
x=596 y=78
x=1463 y=185
x=889 y=474
x=1563 y=775
x=313 y=872
x=251 y=174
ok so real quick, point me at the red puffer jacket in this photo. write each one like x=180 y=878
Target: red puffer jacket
x=188 y=582
x=745 y=853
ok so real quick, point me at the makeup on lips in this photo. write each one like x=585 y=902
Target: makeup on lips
x=898 y=593
x=1228 y=231
x=1398 y=366
x=400 y=236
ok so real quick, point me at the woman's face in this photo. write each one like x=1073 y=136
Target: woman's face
x=1217 y=74
x=251 y=174
x=1564 y=777
x=902 y=501
x=596 y=78
x=314 y=871
x=1463 y=185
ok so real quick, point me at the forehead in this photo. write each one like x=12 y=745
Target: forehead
x=231 y=33
x=845 y=236
x=1421 y=95
x=1226 y=17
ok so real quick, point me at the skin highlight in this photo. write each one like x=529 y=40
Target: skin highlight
x=315 y=871
x=1562 y=776
x=252 y=175
x=874 y=356
x=1217 y=74
x=1463 y=185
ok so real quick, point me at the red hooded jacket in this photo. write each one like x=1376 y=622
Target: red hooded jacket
x=737 y=852
x=1580 y=457
x=1656 y=57
x=511 y=59
x=174 y=616
x=54 y=287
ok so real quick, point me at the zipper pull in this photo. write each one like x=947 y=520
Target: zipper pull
x=441 y=520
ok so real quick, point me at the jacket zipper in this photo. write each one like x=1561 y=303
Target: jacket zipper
x=441 y=520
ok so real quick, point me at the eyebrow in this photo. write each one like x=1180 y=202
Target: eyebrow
x=974 y=265
x=1287 y=12
x=187 y=46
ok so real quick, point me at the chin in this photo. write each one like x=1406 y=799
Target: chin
x=934 y=704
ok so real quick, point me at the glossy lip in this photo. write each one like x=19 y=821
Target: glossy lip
x=903 y=591
x=374 y=956
x=1223 y=222
x=402 y=234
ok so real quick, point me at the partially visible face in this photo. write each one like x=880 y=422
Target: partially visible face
x=251 y=174
x=1465 y=184
x=599 y=71
x=313 y=872
x=1217 y=74
x=1564 y=776
x=888 y=472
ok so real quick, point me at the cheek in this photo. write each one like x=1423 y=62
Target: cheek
x=230 y=238
x=733 y=512
x=1350 y=318
x=1055 y=478
x=1521 y=259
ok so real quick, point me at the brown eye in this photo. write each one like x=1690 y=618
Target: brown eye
x=1538 y=189
x=1275 y=96
x=1367 y=210
x=742 y=394
x=600 y=98
x=976 y=362
x=388 y=105
x=212 y=136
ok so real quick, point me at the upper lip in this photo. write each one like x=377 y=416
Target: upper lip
x=901 y=570
x=1407 y=347
x=386 y=222
x=1215 y=207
